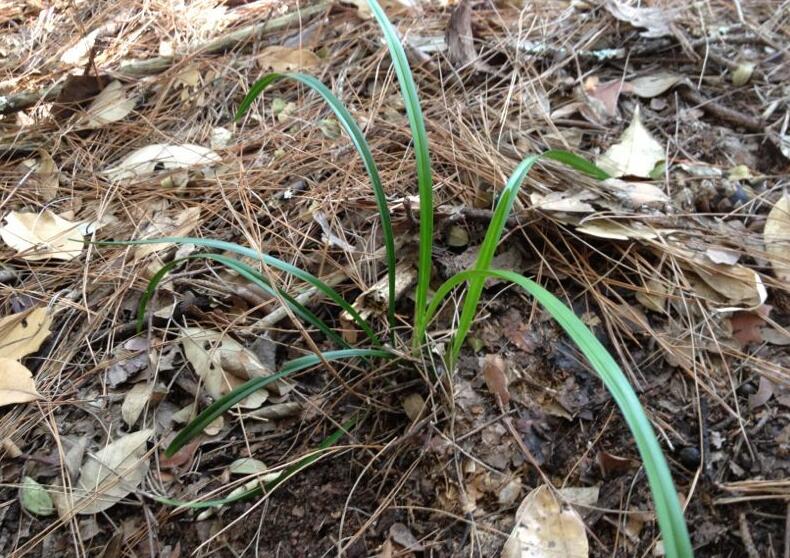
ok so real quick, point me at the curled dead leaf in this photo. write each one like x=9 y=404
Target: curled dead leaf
x=146 y=160
x=16 y=383
x=495 y=376
x=111 y=105
x=612 y=465
x=635 y=195
x=602 y=97
x=653 y=85
x=616 y=230
x=737 y=283
x=22 y=333
x=776 y=236
x=582 y=496
x=564 y=201
x=45 y=176
x=43 y=236
x=765 y=391
x=722 y=256
x=460 y=41
x=205 y=349
x=655 y=21
x=162 y=225
x=77 y=54
x=655 y=295
x=285 y=59
x=135 y=401
x=636 y=154
x=545 y=528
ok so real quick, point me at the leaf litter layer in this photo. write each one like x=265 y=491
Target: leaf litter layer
x=677 y=266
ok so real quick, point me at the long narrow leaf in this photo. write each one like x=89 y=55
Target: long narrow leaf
x=668 y=510
x=494 y=233
x=303 y=463
x=268 y=260
x=226 y=402
x=360 y=143
x=424 y=179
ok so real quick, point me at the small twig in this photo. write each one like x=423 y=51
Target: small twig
x=715 y=109
x=746 y=535
x=158 y=64
x=787 y=532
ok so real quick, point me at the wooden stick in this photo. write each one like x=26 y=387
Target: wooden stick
x=151 y=66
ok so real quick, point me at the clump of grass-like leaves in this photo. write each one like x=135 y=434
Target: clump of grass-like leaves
x=667 y=505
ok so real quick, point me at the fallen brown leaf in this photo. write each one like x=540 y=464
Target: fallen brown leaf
x=495 y=376
x=612 y=465
x=460 y=42
x=545 y=528
x=285 y=59
x=655 y=21
x=16 y=383
x=777 y=239
x=23 y=333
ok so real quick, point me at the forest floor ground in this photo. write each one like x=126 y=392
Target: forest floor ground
x=680 y=267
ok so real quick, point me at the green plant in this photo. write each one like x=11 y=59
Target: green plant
x=668 y=510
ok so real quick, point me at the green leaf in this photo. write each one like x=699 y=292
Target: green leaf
x=220 y=406
x=411 y=101
x=668 y=509
x=360 y=143
x=494 y=233
x=35 y=498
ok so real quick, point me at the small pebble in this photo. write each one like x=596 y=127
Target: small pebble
x=689 y=457
x=747 y=389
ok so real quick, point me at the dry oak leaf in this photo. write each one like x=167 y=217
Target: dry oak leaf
x=655 y=20
x=43 y=236
x=737 y=283
x=653 y=85
x=111 y=105
x=22 y=333
x=16 y=383
x=285 y=59
x=219 y=360
x=146 y=160
x=545 y=528
x=162 y=225
x=45 y=176
x=776 y=236
x=495 y=376
x=636 y=154
x=135 y=401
